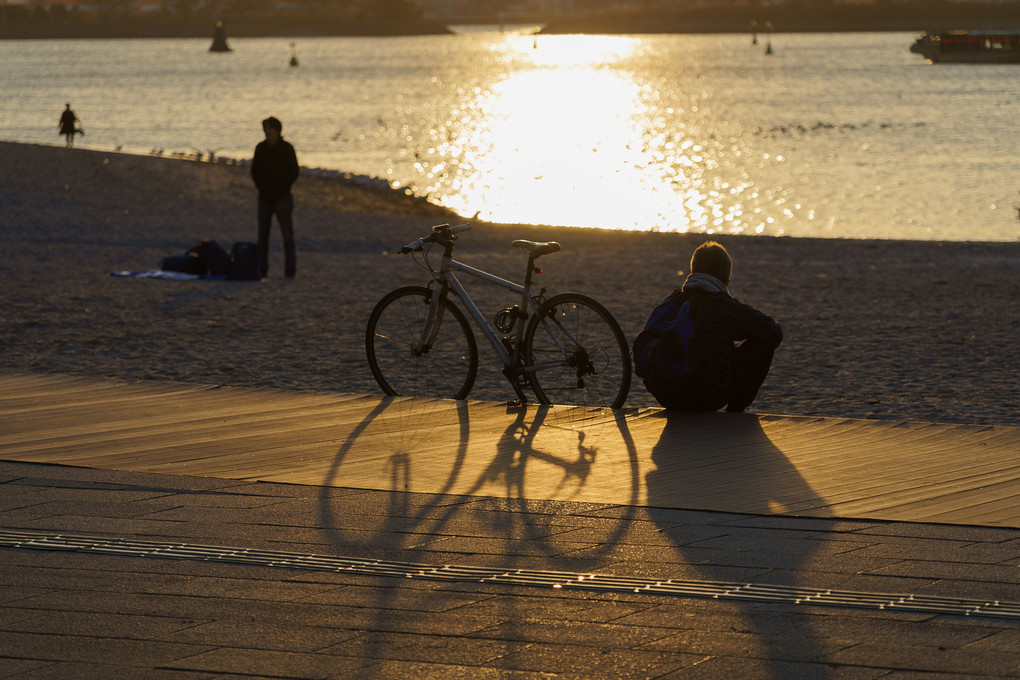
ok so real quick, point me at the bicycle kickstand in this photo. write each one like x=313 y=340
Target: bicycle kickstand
x=522 y=399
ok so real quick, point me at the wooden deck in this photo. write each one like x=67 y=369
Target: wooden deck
x=804 y=466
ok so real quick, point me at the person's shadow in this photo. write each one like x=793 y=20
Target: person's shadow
x=721 y=460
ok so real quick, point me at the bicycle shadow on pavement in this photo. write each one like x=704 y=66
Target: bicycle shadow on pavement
x=491 y=519
x=432 y=449
x=722 y=456
x=557 y=447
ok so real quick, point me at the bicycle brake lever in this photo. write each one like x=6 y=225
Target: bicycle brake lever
x=411 y=247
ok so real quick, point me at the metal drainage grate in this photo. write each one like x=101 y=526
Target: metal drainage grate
x=747 y=592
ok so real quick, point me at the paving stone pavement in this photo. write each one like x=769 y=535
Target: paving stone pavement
x=70 y=614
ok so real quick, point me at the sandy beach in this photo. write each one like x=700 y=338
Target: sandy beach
x=922 y=331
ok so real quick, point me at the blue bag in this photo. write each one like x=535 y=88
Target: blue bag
x=244 y=262
x=662 y=349
x=212 y=256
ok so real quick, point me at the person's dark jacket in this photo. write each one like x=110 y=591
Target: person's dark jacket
x=274 y=168
x=720 y=322
x=67 y=121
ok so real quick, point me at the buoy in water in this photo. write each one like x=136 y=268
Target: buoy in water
x=293 y=55
x=219 y=43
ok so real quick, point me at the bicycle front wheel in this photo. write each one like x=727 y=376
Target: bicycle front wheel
x=445 y=369
x=577 y=354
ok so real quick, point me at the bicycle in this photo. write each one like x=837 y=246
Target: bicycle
x=567 y=349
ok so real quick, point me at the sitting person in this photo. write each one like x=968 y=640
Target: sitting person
x=729 y=351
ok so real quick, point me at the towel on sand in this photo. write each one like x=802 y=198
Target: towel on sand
x=170 y=276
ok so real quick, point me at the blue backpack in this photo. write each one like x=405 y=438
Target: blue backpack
x=662 y=348
x=244 y=262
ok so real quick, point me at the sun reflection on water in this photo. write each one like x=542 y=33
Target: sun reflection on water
x=569 y=137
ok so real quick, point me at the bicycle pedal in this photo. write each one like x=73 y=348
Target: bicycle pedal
x=515 y=404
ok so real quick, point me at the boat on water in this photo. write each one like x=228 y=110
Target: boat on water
x=968 y=47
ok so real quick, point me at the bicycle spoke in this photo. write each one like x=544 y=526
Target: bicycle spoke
x=401 y=366
x=577 y=354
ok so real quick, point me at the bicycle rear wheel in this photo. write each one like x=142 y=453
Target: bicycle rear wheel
x=577 y=353
x=445 y=370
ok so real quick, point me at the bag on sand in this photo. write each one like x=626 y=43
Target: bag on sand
x=662 y=348
x=187 y=263
x=244 y=262
x=213 y=257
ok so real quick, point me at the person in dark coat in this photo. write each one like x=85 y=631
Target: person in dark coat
x=733 y=344
x=274 y=168
x=69 y=125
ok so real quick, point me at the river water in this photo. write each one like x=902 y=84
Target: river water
x=831 y=135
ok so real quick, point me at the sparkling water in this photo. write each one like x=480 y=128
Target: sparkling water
x=831 y=135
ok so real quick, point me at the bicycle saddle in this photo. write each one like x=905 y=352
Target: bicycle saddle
x=537 y=248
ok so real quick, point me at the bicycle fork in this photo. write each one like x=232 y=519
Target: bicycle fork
x=433 y=319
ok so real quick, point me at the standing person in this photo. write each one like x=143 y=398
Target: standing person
x=275 y=169
x=69 y=125
x=729 y=344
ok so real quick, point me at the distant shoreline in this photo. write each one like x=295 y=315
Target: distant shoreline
x=796 y=18
x=142 y=29
x=913 y=17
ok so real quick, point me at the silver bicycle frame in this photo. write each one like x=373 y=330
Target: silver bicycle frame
x=449 y=281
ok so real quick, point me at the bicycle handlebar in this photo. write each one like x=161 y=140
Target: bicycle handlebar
x=439 y=232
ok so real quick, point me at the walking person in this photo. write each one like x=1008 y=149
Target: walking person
x=274 y=168
x=69 y=125
x=712 y=353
